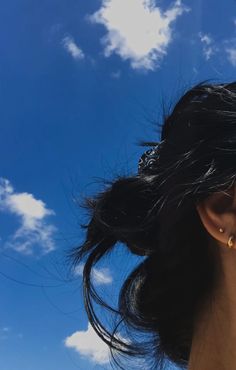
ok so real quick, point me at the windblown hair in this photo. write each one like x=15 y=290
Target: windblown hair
x=153 y=213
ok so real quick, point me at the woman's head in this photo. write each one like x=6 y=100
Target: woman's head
x=157 y=213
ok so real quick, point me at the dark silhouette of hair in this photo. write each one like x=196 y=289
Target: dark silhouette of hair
x=154 y=213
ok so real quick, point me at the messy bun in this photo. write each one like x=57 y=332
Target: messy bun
x=153 y=213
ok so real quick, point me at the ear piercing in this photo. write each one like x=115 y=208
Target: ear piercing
x=230 y=242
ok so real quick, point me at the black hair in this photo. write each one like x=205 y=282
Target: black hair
x=153 y=212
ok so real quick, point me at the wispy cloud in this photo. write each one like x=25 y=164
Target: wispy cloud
x=229 y=46
x=116 y=75
x=4 y=333
x=72 y=48
x=100 y=276
x=7 y=333
x=231 y=55
x=209 y=47
x=32 y=213
x=137 y=30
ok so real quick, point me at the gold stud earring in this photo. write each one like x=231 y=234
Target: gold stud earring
x=221 y=230
x=231 y=241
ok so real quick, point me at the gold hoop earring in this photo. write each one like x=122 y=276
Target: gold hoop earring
x=231 y=241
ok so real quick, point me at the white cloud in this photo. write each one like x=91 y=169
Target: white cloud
x=209 y=47
x=231 y=51
x=137 y=30
x=205 y=38
x=72 y=48
x=99 y=276
x=89 y=345
x=33 y=229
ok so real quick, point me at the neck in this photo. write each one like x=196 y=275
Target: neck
x=214 y=340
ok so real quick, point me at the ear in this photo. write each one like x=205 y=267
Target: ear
x=219 y=211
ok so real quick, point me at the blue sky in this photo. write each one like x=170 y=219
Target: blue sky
x=80 y=82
